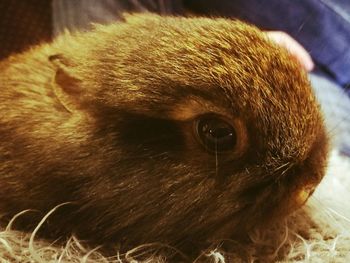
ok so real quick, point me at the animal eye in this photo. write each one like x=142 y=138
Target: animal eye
x=215 y=134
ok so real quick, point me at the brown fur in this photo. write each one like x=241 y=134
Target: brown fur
x=104 y=120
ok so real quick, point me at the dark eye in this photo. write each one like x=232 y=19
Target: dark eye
x=216 y=134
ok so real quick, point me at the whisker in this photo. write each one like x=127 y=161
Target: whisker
x=287 y=169
x=282 y=166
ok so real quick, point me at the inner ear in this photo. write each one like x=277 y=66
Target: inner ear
x=66 y=84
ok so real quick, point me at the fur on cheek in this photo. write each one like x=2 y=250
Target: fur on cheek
x=317 y=232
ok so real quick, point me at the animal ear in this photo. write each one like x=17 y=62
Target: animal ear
x=66 y=84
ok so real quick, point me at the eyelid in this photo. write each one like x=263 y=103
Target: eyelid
x=190 y=109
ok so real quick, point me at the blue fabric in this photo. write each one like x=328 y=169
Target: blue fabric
x=321 y=26
x=336 y=108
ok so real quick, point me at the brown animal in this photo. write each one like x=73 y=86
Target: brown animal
x=159 y=129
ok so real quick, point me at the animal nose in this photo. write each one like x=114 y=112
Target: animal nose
x=303 y=194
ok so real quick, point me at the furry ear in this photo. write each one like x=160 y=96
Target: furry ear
x=66 y=84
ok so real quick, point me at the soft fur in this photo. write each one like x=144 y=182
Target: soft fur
x=319 y=232
x=103 y=124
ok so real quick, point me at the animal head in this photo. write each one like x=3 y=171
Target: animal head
x=177 y=129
